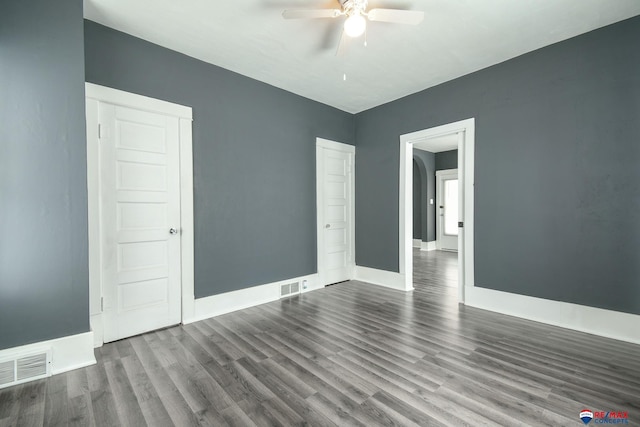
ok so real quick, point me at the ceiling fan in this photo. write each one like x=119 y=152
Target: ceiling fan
x=356 y=12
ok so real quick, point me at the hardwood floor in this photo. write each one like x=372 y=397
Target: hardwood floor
x=350 y=354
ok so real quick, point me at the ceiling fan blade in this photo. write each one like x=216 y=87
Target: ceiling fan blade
x=310 y=14
x=342 y=46
x=396 y=16
x=331 y=34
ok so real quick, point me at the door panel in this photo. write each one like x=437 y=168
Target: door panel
x=140 y=203
x=142 y=137
x=140 y=177
x=140 y=216
x=134 y=296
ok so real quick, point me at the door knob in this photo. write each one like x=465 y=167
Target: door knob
x=327 y=226
x=173 y=231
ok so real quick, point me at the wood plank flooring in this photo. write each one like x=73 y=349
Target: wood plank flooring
x=350 y=354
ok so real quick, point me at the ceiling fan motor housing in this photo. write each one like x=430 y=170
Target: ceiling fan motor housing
x=353 y=5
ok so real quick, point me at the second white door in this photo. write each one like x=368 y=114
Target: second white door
x=140 y=220
x=335 y=188
x=447 y=198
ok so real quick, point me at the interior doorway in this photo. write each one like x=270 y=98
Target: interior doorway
x=463 y=135
x=140 y=206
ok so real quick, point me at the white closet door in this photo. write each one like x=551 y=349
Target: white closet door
x=140 y=220
x=335 y=213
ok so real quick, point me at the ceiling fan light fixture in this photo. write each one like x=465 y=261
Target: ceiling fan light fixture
x=355 y=25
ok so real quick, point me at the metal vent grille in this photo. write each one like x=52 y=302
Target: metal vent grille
x=31 y=366
x=25 y=367
x=7 y=373
x=289 y=289
x=285 y=289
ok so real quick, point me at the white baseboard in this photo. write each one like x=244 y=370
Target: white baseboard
x=428 y=246
x=228 y=302
x=596 y=321
x=417 y=243
x=388 y=279
x=67 y=353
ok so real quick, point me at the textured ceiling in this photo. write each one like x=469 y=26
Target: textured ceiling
x=438 y=144
x=456 y=37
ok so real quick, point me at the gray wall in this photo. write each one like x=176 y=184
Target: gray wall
x=254 y=158
x=425 y=212
x=44 y=279
x=557 y=186
x=447 y=160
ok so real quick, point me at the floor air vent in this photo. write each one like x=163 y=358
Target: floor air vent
x=289 y=289
x=26 y=367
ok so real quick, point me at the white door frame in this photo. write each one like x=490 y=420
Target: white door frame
x=466 y=149
x=439 y=201
x=95 y=94
x=333 y=145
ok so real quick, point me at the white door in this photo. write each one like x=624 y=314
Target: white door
x=447 y=198
x=335 y=188
x=139 y=220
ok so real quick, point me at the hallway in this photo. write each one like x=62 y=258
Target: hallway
x=435 y=271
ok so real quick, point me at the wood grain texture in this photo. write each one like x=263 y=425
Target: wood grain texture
x=350 y=354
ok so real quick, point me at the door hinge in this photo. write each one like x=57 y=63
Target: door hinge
x=101 y=304
x=460 y=224
x=103 y=131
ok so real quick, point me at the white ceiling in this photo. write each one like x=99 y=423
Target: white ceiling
x=456 y=37
x=438 y=144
